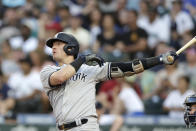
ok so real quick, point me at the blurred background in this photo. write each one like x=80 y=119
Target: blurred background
x=117 y=30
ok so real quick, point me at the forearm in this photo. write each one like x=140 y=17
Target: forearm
x=62 y=75
x=66 y=72
x=151 y=62
x=120 y=69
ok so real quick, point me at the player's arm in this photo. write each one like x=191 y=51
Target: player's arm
x=61 y=75
x=65 y=73
x=120 y=69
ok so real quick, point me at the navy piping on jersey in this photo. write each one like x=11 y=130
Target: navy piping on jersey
x=109 y=71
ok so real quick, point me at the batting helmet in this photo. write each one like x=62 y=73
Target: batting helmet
x=71 y=47
x=190 y=119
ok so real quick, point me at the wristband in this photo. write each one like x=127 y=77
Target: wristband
x=77 y=63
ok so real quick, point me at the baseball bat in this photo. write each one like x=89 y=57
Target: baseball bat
x=191 y=42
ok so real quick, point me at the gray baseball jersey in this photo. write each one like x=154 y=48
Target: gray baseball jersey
x=75 y=98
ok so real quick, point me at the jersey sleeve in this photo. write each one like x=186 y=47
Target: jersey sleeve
x=45 y=74
x=103 y=73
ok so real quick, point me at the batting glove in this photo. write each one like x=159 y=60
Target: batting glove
x=165 y=57
x=93 y=60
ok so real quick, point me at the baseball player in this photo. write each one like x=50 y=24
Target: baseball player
x=190 y=111
x=70 y=86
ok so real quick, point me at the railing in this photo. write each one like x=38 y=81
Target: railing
x=46 y=122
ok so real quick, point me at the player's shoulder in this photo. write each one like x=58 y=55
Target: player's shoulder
x=49 y=68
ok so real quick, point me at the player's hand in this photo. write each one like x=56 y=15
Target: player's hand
x=169 y=57
x=93 y=59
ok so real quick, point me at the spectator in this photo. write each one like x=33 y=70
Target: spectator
x=107 y=6
x=89 y=7
x=180 y=18
x=9 y=63
x=105 y=95
x=50 y=8
x=143 y=12
x=191 y=7
x=6 y=103
x=107 y=39
x=9 y=24
x=95 y=28
x=122 y=22
x=52 y=28
x=121 y=5
x=105 y=106
x=169 y=74
x=99 y=109
x=26 y=88
x=159 y=4
x=175 y=39
x=38 y=58
x=136 y=38
x=29 y=19
x=76 y=6
x=157 y=28
x=108 y=44
x=47 y=30
x=174 y=101
x=189 y=66
x=117 y=97
x=82 y=35
x=48 y=17
x=25 y=41
x=64 y=15
x=124 y=99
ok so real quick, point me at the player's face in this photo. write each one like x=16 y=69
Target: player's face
x=57 y=50
x=193 y=109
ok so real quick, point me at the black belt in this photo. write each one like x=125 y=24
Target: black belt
x=70 y=125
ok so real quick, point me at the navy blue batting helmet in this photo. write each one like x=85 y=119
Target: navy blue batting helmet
x=71 y=44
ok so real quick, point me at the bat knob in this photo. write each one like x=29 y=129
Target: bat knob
x=170 y=58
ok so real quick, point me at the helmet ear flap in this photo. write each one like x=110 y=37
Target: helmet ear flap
x=69 y=50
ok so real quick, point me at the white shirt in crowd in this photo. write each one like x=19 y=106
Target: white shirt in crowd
x=131 y=100
x=175 y=100
x=81 y=34
x=22 y=85
x=158 y=30
x=184 y=22
x=27 y=46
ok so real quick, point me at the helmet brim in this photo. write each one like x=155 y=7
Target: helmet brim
x=50 y=42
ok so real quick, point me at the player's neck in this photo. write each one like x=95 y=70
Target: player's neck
x=66 y=60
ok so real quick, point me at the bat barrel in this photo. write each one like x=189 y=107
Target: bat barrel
x=191 y=42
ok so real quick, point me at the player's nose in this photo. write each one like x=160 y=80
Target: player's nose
x=54 y=46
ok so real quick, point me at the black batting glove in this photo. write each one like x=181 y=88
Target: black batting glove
x=92 y=60
x=169 y=57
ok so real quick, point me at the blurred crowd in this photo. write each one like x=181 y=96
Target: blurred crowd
x=117 y=30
